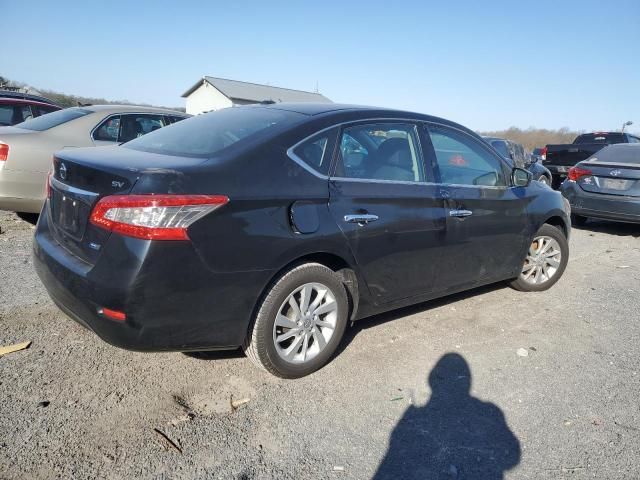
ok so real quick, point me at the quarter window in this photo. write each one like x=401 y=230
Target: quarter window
x=381 y=152
x=461 y=160
x=26 y=112
x=316 y=153
x=174 y=118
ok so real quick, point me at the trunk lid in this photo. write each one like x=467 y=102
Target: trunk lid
x=611 y=178
x=83 y=176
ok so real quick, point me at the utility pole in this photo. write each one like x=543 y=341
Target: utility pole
x=626 y=124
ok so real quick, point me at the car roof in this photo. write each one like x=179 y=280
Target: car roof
x=22 y=101
x=493 y=139
x=337 y=109
x=132 y=108
x=315 y=108
x=340 y=113
x=26 y=96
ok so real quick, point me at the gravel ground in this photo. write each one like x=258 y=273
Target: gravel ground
x=554 y=388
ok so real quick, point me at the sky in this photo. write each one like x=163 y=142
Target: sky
x=487 y=65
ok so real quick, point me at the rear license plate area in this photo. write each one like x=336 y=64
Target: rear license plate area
x=69 y=213
x=615 y=183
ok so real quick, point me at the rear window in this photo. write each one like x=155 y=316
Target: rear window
x=53 y=119
x=211 y=133
x=501 y=147
x=600 y=138
x=617 y=154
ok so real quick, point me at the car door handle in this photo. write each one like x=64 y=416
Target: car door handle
x=460 y=213
x=361 y=219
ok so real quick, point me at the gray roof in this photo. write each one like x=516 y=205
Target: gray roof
x=254 y=92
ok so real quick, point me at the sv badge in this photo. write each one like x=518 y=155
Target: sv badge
x=116 y=184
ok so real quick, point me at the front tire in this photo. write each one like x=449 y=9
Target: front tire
x=546 y=260
x=299 y=323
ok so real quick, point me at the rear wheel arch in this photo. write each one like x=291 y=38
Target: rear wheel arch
x=330 y=260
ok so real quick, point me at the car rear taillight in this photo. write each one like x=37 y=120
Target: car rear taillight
x=543 y=153
x=575 y=173
x=153 y=217
x=4 y=152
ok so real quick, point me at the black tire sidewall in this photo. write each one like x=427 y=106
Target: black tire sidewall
x=307 y=273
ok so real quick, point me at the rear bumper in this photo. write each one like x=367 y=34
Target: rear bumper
x=607 y=207
x=26 y=205
x=22 y=191
x=172 y=301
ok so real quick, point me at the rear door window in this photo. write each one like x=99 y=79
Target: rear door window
x=134 y=126
x=109 y=130
x=462 y=160
x=381 y=152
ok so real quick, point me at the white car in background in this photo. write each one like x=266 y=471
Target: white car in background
x=26 y=149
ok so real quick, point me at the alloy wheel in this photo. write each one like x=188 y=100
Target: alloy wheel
x=543 y=260
x=305 y=323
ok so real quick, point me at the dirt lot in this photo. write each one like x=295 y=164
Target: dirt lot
x=555 y=388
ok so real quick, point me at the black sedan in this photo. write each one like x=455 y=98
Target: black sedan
x=272 y=227
x=606 y=185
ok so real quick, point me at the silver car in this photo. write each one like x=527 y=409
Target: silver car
x=26 y=149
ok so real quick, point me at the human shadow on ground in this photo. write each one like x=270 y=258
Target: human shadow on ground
x=454 y=436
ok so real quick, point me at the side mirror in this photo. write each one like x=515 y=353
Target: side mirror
x=520 y=177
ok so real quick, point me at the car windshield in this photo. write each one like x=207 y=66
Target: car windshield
x=600 y=138
x=209 y=134
x=501 y=147
x=53 y=119
x=625 y=154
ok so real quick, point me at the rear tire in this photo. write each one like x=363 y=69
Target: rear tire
x=546 y=260
x=578 y=220
x=300 y=322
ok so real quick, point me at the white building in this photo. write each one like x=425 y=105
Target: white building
x=211 y=93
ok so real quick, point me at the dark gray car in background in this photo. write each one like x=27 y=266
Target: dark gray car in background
x=521 y=158
x=606 y=185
